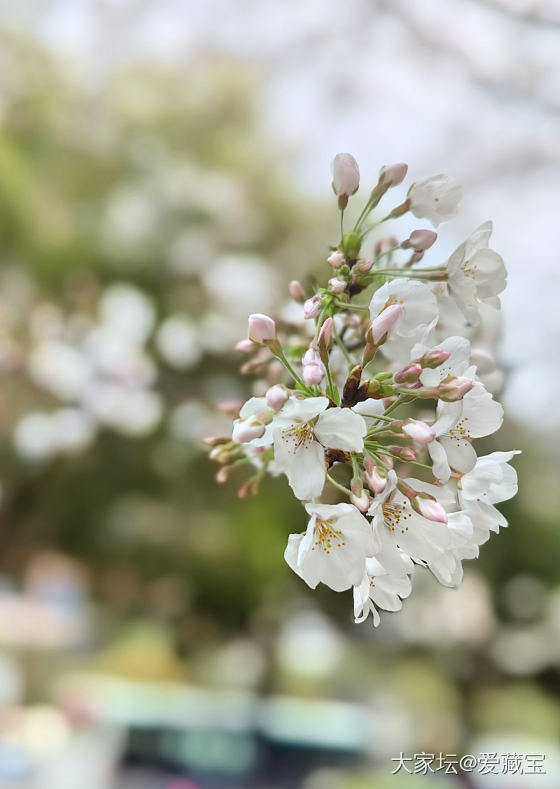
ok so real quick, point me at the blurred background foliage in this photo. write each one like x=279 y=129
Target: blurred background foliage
x=156 y=201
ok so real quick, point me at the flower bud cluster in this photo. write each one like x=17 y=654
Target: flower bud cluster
x=369 y=400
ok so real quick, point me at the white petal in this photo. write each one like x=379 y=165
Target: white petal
x=304 y=467
x=341 y=428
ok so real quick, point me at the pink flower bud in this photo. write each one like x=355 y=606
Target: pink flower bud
x=313 y=374
x=337 y=285
x=409 y=374
x=418 y=431
x=376 y=482
x=404 y=453
x=429 y=508
x=393 y=174
x=261 y=328
x=336 y=259
x=296 y=291
x=421 y=240
x=346 y=175
x=453 y=389
x=312 y=307
x=311 y=356
x=363 y=265
x=325 y=338
x=361 y=502
x=434 y=358
x=386 y=321
x=276 y=396
x=245 y=430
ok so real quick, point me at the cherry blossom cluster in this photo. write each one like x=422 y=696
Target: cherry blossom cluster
x=374 y=393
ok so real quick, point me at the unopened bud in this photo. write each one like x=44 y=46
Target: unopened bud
x=409 y=374
x=312 y=307
x=387 y=320
x=375 y=478
x=261 y=328
x=337 y=285
x=214 y=441
x=325 y=339
x=429 y=508
x=361 y=502
x=336 y=259
x=276 y=396
x=313 y=374
x=434 y=358
x=363 y=265
x=224 y=474
x=296 y=291
x=404 y=453
x=420 y=240
x=346 y=176
x=249 y=488
x=418 y=431
x=393 y=174
x=245 y=430
x=453 y=389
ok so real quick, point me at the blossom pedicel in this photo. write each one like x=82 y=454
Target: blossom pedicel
x=382 y=405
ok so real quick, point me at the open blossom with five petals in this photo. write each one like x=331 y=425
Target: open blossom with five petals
x=475 y=273
x=419 y=316
x=457 y=363
x=303 y=430
x=334 y=548
x=435 y=198
x=475 y=416
x=422 y=539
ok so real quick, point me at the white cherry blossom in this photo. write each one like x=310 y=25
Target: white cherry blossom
x=420 y=314
x=303 y=430
x=476 y=274
x=333 y=549
x=436 y=198
x=475 y=416
x=421 y=539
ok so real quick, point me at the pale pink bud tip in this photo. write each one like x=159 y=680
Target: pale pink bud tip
x=361 y=501
x=312 y=307
x=296 y=291
x=245 y=346
x=393 y=174
x=434 y=358
x=337 y=285
x=419 y=431
x=312 y=374
x=245 y=431
x=375 y=481
x=276 y=396
x=346 y=175
x=454 y=389
x=336 y=259
x=326 y=334
x=261 y=328
x=431 y=509
x=386 y=321
x=420 y=240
